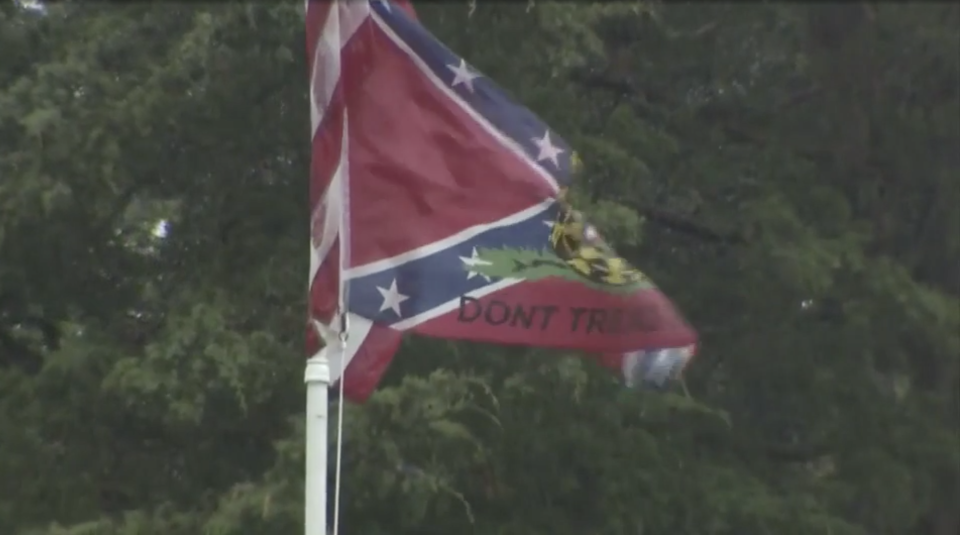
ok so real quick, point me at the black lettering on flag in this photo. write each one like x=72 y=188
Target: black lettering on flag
x=497 y=313
x=644 y=318
x=465 y=303
x=523 y=317
x=548 y=312
x=595 y=321
x=577 y=312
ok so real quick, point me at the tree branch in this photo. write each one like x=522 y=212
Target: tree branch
x=683 y=224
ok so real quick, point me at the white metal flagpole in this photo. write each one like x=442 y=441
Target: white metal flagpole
x=317 y=374
x=317 y=378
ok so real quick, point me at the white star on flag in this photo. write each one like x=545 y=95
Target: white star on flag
x=475 y=260
x=392 y=298
x=462 y=75
x=548 y=151
x=548 y=223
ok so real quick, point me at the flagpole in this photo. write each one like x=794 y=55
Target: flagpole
x=317 y=378
x=317 y=374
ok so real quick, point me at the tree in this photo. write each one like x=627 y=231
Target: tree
x=786 y=173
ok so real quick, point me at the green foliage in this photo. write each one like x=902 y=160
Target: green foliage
x=532 y=264
x=787 y=173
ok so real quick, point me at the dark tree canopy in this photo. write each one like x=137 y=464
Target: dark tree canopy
x=789 y=174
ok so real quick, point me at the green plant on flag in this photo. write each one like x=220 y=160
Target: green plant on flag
x=533 y=264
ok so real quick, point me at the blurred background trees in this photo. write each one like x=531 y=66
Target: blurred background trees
x=789 y=174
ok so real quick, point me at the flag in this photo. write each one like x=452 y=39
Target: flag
x=438 y=208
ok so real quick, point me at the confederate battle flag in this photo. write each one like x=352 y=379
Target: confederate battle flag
x=438 y=208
